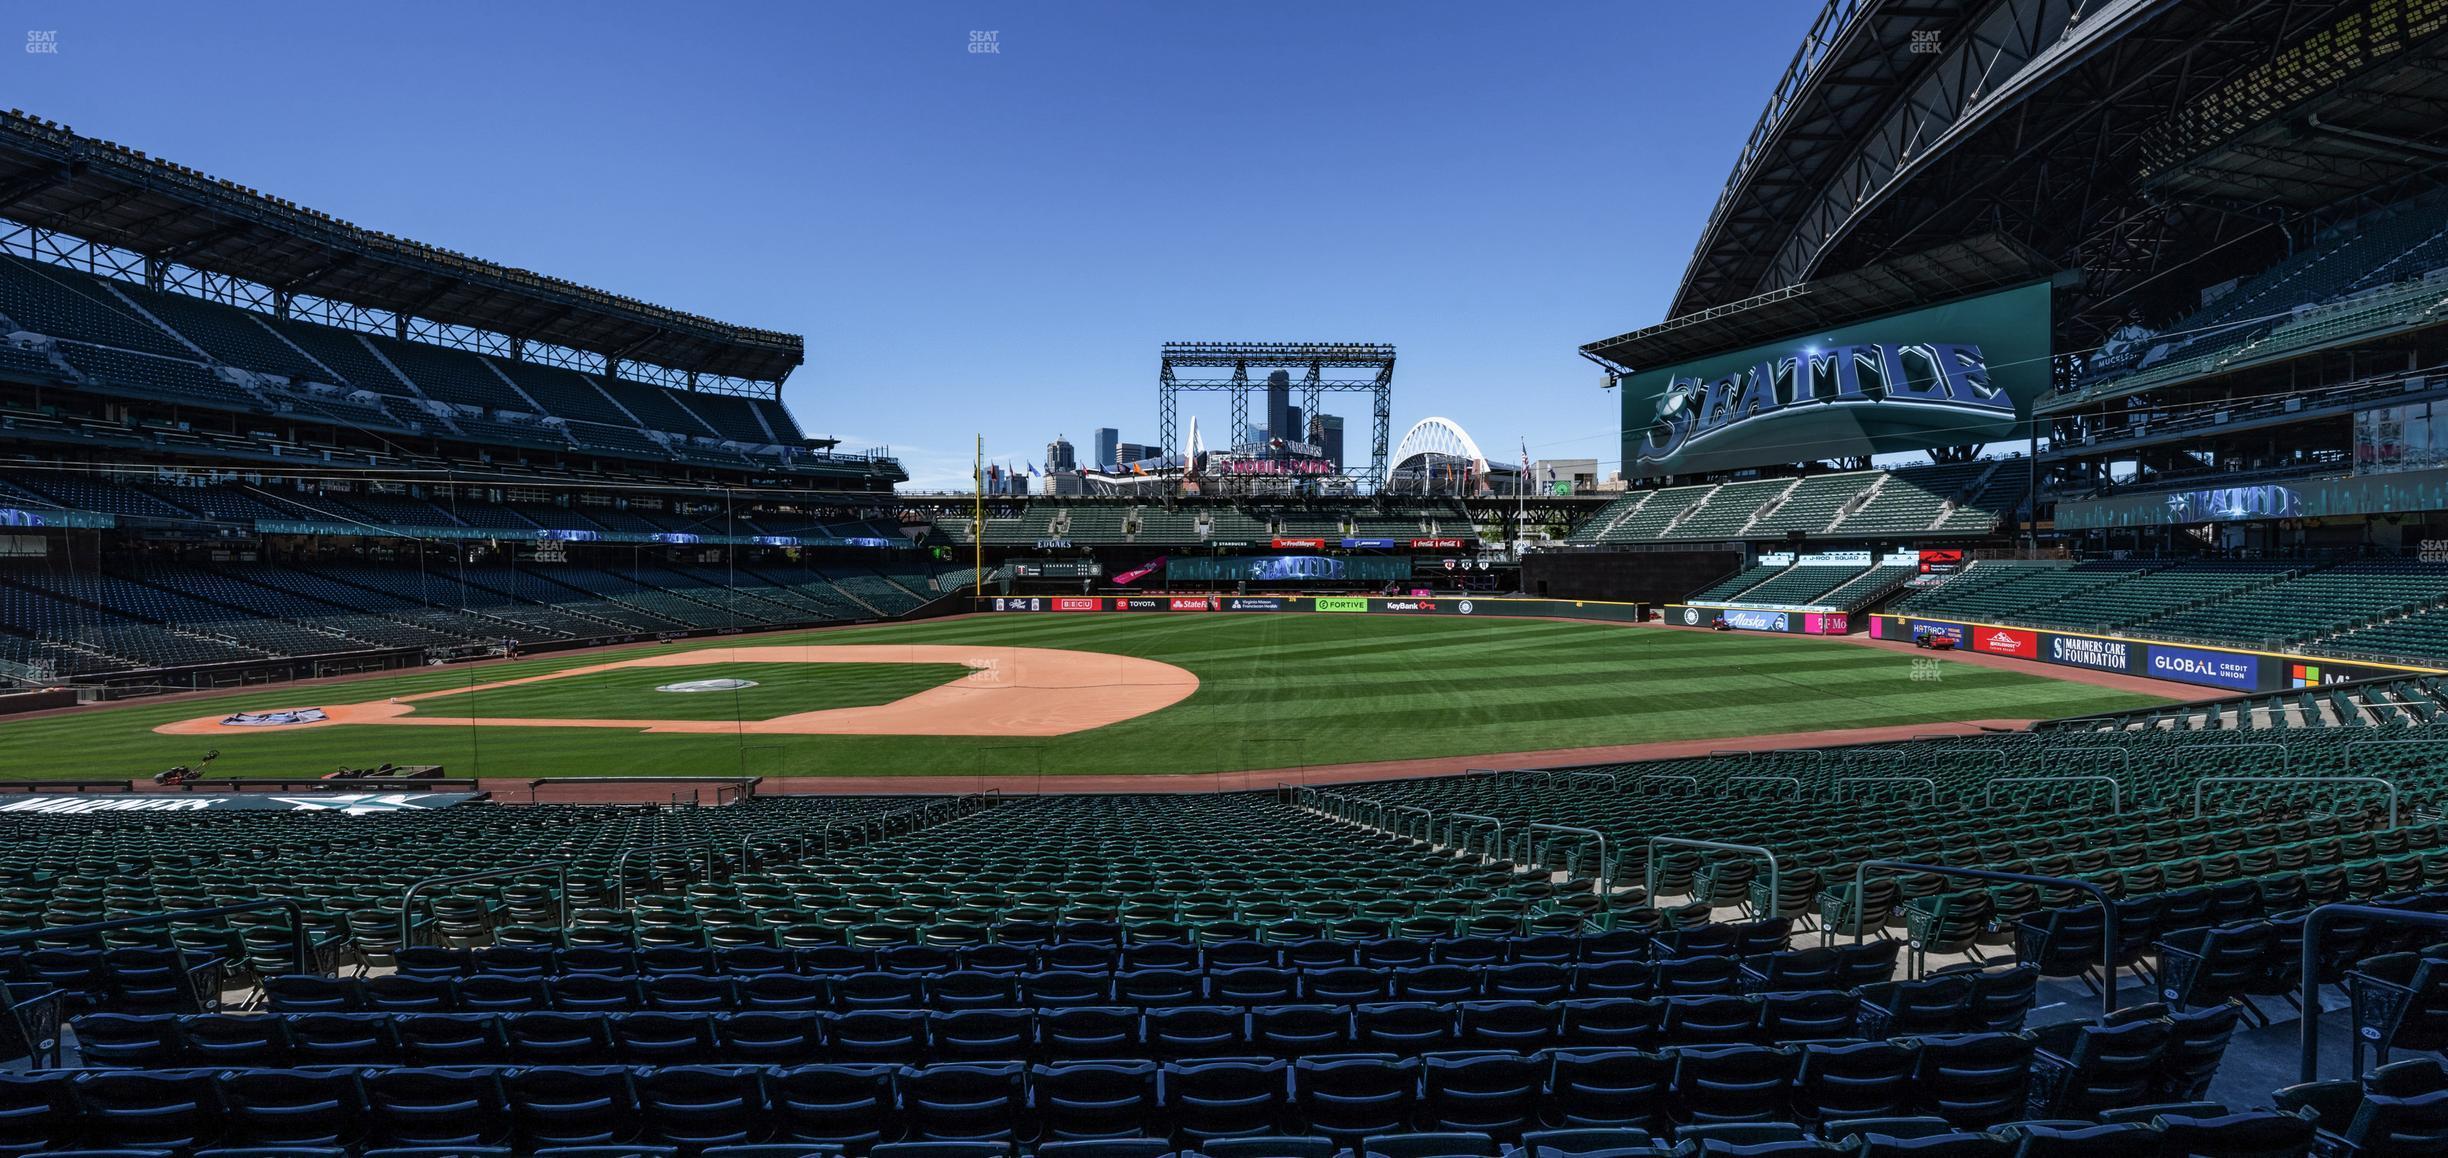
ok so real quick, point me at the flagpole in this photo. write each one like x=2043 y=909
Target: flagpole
x=977 y=522
x=1520 y=510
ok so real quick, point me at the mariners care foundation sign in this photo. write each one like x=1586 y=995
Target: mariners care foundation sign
x=1948 y=375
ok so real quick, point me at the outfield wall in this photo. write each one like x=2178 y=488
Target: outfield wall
x=1189 y=603
x=1775 y=620
x=2202 y=665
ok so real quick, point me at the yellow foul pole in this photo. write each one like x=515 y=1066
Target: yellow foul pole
x=977 y=524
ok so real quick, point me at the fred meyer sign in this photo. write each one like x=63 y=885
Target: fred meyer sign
x=1964 y=372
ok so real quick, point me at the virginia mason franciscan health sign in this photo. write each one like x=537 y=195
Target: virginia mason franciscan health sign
x=1964 y=372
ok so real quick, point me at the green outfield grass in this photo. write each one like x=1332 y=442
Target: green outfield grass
x=782 y=689
x=1275 y=691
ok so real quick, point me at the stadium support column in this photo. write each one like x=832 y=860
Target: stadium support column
x=1310 y=389
x=1381 y=439
x=1240 y=391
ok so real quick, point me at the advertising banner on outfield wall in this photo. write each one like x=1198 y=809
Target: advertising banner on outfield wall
x=1078 y=603
x=1961 y=634
x=2007 y=641
x=1251 y=603
x=2194 y=665
x=2086 y=651
x=2242 y=671
x=1748 y=620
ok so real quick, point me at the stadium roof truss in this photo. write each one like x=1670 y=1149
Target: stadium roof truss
x=1905 y=125
x=1307 y=362
x=115 y=211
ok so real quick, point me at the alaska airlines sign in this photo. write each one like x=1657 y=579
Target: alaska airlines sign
x=1948 y=375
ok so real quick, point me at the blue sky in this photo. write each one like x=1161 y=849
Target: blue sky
x=997 y=243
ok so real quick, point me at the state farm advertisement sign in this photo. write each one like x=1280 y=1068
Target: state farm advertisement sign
x=1300 y=544
x=1436 y=544
x=2006 y=641
x=1192 y=603
x=1078 y=603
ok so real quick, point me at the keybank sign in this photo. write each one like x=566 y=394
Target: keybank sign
x=1958 y=373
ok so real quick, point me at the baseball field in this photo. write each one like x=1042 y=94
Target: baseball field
x=1015 y=695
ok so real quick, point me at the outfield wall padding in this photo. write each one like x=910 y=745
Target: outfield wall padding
x=2233 y=669
x=1187 y=603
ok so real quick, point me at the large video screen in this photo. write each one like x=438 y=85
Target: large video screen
x=1959 y=373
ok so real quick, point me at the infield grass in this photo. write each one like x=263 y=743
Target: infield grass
x=1276 y=691
x=782 y=689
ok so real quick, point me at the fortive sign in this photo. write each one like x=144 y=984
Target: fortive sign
x=1340 y=603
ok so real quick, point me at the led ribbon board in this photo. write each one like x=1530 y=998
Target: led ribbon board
x=1959 y=373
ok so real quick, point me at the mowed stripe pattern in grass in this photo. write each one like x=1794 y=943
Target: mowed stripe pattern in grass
x=782 y=689
x=1275 y=691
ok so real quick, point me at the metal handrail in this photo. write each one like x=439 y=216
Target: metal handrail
x=2124 y=756
x=2286 y=755
x=1531 y=848
x=2116 y=791
x=1931 y=738
x=1793 y=780
x=1776 y=872
x=2308 y=1064
x=1925 y=781
x=1427 y=821
x=560 y=870
x=1378 y=806
x=2351 y=745
x=297 y=926
x=2205 y=781
x=620 y=865
x=1495 y=841
x=2108 y=914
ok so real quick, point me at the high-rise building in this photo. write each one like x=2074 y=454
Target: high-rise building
x=1326 y=432
x=1059 y=456
x=1279 y=406
x=1108 y=441
x=1129 y=452
x=1293 y=430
